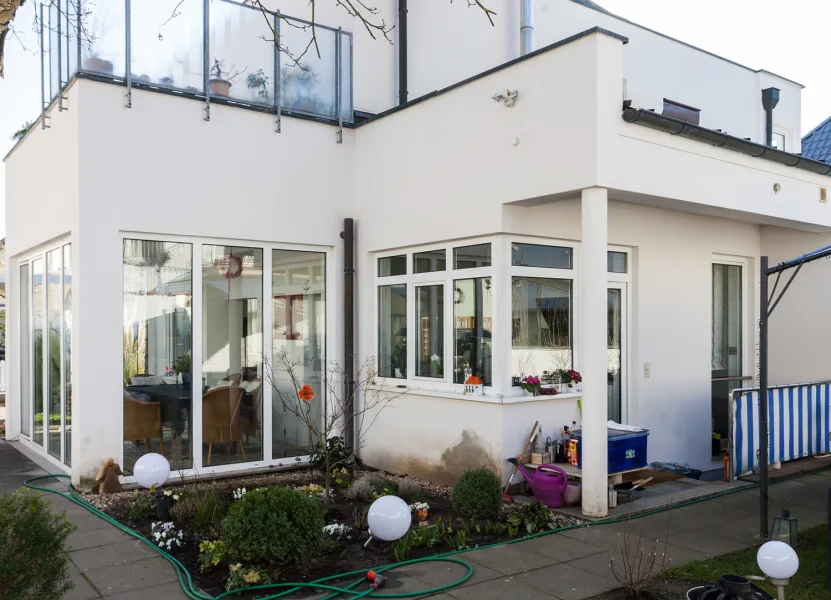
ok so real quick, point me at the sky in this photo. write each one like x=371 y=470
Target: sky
x=787 y=37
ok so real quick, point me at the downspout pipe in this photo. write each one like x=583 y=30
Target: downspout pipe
x=526 y=27
x=402 y=52
x=348 y=236
x=770 y=98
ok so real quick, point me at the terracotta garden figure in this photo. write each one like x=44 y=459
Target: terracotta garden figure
x=108 y=477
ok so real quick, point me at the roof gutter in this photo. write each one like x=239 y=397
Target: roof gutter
x=720 y=139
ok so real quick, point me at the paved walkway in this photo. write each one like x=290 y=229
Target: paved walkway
x=106 y=563
x=573 y=565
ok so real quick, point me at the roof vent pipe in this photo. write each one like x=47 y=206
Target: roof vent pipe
x=526 y=27
x=770 y=98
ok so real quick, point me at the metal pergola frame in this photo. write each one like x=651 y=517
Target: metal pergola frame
x=768 y=301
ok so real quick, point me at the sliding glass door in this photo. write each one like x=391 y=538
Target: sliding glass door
x=727 y=349
x=616 y=334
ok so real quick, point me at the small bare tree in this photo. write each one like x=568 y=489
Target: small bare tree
x=364 y=400
x=637 y=566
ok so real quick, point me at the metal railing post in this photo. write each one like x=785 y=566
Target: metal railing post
x=42 y=74
x=206 y=51
x=60 y=78
x=78 y=9
x=338 y=76
x=764 y=314
x=128 y=62
x=278 y=83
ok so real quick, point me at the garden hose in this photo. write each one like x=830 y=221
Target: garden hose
x=350 y=591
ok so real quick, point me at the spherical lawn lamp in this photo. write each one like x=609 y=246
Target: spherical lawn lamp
x=151 y=469
x=389 y=518
x=779 y=562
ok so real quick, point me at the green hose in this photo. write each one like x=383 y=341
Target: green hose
x=289 y=588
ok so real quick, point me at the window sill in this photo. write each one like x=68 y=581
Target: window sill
x=488 y=398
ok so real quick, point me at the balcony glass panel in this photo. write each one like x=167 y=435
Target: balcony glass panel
x=69 y=39
x=165 y=49
x=346 y=79
x=103 y=47
x=54 y=66
x=242 y=53
x=308 y=82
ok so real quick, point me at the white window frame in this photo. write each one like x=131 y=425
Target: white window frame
x=749 y=314
x=332 y=290
x=624 y=280
x=40 y=253
x=785 y=138
x=447 y=278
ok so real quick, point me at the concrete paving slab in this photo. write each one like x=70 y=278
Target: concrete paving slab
x=123 y=552
x=165 y=591
x=604 y=536
x=509 y=559
x=707 y=543
x=435 y=574
x=597 y=564
x=567 y=582
x=560 y=548
x=86 y=538
x=504 y=587
x=132 y=576
x=82 y=590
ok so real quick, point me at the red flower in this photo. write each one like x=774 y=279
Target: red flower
x=306 y=393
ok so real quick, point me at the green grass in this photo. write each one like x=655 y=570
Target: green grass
x=807 y=584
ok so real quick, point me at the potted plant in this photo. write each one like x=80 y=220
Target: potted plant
x=165 y=499
x=573 y=379
x=183 y=365
x=222 y=78
x=257 y=83
x=95 y=63
x=531 y=384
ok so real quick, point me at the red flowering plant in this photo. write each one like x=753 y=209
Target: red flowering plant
x=571 y=376
x=531 y=383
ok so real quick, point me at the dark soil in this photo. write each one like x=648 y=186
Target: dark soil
x=343 y=555
x=657 y=590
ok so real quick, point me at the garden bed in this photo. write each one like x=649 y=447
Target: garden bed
x=201 y=515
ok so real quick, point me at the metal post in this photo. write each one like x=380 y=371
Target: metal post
x=60 y=78
x=402 y=51
x=42 y=75
x=206 y=51
x=351 y=82
x=128 y=58
x=348 y=236
x=828 y=567
x=763 y=399
x=78 y=7
x=278 y=84
x=339 y=91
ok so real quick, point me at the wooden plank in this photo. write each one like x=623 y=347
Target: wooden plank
x=577 y=473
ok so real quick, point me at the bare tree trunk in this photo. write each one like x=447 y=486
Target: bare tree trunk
x=8 y=8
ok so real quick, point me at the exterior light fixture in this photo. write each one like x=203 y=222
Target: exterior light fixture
x=779 y=562
x=777 y=188
x=785 y=530
x=507 y=97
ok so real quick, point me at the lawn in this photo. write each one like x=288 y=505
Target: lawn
x=807 y=584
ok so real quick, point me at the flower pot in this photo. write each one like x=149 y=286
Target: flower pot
x=99 y=65
x=163 y=506
x=572 y=389
x=220 y=87
x=573 y=495
x=187 y=381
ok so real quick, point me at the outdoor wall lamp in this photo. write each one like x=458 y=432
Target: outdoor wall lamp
x=779 y=562
x=507 y=97
x=785 y=530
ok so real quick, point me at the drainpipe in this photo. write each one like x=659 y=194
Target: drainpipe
x=526 y=27
x=348 y=237
x=770 y=98
x=402 y=51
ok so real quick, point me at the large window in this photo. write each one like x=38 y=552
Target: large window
x=232 y=353
x=45 y=350
x=473 y=329
x=392 y=331
x=430 y=323
x=158 y=387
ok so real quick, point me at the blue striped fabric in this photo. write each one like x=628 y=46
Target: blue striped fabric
x=798 y=424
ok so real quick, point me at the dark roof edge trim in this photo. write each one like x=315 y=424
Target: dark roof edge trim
x=719 y=139
x=495 y=69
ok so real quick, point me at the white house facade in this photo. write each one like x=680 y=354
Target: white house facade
x=606 y=214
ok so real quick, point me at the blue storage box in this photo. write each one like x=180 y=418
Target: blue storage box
x=627 y=450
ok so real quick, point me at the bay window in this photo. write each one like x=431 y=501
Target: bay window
x=473 y=329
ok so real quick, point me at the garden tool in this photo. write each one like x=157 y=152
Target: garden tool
x=505 y=496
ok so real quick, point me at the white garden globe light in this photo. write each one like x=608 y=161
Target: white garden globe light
x=151 y=469
x=777 y=560
x=389 y=518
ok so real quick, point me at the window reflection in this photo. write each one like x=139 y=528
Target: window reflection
x=53 y=358
x=25 y=351
x=232 y=354
x=392 y=331
x=430 y=321
x=472 y=315
x=298 y=294
x=38 y=299
x=67 y=354
x=157 y=349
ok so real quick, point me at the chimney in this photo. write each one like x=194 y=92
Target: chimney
x=770 y=98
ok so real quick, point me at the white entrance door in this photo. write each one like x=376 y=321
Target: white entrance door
x=616 y=350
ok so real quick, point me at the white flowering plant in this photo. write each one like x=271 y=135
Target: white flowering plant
x=239 y=493
x=170 y=494
x=167 y=537
x=338 y=531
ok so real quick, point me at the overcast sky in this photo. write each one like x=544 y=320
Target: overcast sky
x=787 y=37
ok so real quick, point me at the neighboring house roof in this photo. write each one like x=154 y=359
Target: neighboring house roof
x=816 y=145
x=600 y=9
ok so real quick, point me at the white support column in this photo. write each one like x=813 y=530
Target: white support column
x=593 y=350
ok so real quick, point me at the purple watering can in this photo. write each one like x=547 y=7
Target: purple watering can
x=548 y=482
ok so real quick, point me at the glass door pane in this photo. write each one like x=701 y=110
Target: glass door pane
x=67 y=343
x=54 y=305
x=25 y=351
x=232 y=353
x=430 y=320
x=615 y=353
x=726 y=344
x=38 y=306
x=298 y=295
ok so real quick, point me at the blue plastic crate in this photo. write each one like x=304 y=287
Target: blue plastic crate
x=627 y=450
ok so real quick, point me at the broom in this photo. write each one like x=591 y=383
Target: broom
x=506 y=497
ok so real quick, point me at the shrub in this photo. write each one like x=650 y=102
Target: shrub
x=409 y=490
x=143 y=505
x=372 y=486
x=280 y=525
x=202 y=508
x=339 y=455
x=33 y=563
x=533 y=517
x=241 y=578
x=478 y=495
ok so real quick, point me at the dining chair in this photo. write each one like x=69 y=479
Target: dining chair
x=220 y=418
x=250 y=415
x=234 y=378
x=142 y=421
